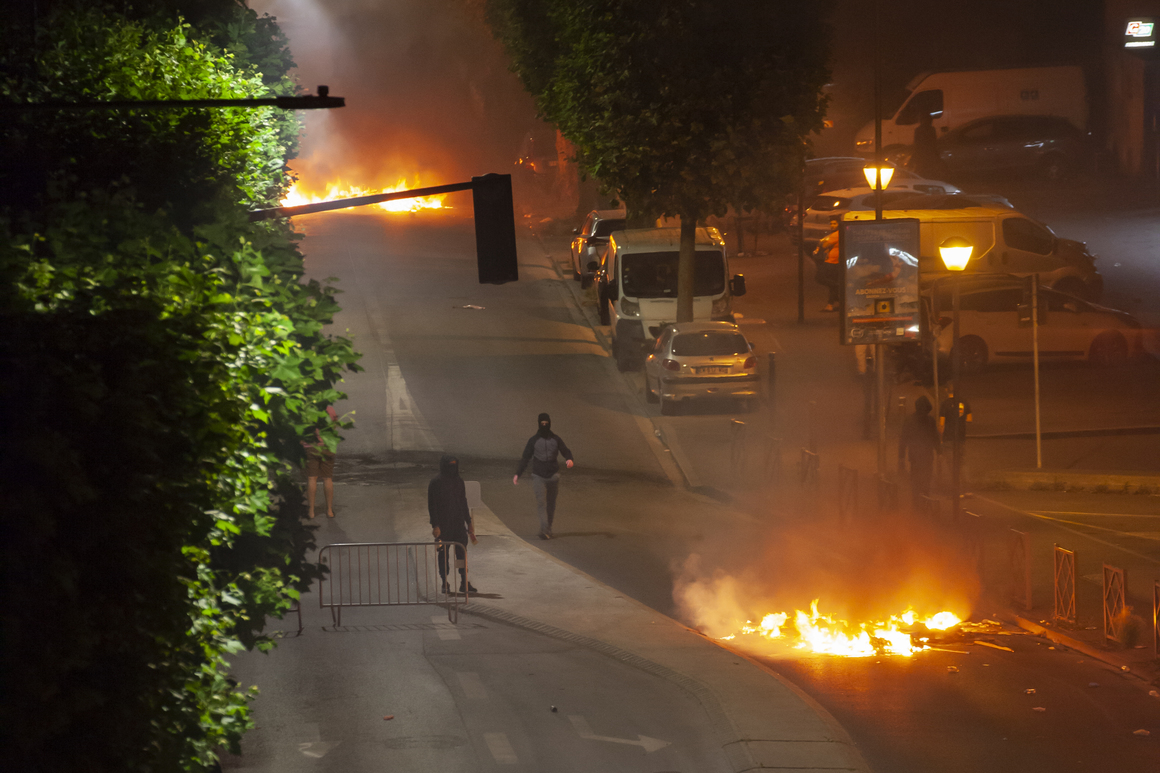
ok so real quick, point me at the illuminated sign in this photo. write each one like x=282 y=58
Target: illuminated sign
x=879 y=282
x=1140 y=33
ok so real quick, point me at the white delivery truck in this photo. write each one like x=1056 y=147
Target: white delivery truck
x=636 y=286
x=954 y=98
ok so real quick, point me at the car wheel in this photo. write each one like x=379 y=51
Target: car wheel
x=1074 y=287
x=668 y=407
x=972 y=352
x=1109 y=350
x=602 y=310
x=649 y=395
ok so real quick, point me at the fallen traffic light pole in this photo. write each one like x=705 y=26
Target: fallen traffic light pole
x=495 y=229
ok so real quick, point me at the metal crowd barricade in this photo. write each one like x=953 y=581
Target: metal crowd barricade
x=847 y=491
x=1021 y=568
x=1064 y=563
x=389 y=574
x=1114 y=599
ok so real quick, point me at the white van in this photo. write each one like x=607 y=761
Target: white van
x=1005 y=242
x=636 y=286
x=954 y=98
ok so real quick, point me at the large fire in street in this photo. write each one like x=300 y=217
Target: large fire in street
x=297 y=195
x=822 y=634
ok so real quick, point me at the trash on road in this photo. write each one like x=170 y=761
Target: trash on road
x=392 y=716
x=1090 y=684
x=554 y=708
x=1154 y=693
x=469 y=306
x=953 y=669
x=1141 y=731
x=1122 y=668
x=1029 y=690
x=1037 y=708
x=992 y=646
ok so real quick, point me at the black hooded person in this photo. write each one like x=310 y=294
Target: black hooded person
x=543 y=450
x=918 y=442
x=450 y=518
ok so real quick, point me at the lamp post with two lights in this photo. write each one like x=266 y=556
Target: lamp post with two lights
x=956 y=253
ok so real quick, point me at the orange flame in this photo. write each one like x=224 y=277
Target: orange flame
x=337 y=190
x=822 y=634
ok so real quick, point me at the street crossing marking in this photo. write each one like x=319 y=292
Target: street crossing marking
x=472 y=685
x=501 y=750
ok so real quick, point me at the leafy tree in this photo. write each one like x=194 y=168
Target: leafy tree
x=165 y=357
x=683 y=108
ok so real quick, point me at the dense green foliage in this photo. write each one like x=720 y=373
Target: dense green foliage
x=682 y=108
x=161 y=358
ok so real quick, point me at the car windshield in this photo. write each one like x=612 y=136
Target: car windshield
x=709 y=344
x=654 y=274
x=605 y=227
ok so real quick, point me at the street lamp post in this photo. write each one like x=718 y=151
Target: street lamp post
x=956 y=252
x=878 y=177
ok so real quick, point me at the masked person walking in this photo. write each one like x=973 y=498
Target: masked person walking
x=543 y=450
x=450 y=519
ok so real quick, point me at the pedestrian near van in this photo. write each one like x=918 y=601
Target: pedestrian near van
x=320 y=464
x=917 y=444
x=828 y=273
x=543 y=451
x=451 y=520
x=925 y=158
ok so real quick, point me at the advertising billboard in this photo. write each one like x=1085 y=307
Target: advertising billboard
x=879 y=268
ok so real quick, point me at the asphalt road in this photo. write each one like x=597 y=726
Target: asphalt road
x=471 y=381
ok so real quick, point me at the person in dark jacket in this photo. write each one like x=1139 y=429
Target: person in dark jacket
x=925 y=157
x=543 y=450
x=450 y=518
x=918 y=443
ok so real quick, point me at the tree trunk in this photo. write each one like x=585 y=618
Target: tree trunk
x=686 y=273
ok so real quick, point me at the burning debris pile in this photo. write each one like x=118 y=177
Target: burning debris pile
x=822 y=634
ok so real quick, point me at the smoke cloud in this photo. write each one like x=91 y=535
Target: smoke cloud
x=429 y=98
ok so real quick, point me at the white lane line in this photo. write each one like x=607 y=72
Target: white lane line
x=1061 y=521
x=472 y=685
x=501 y=750
x=584 y=730
x=1104 y=515
x=446 y=634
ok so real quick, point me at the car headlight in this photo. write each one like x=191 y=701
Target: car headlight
x=720 y=306
x=629 y=308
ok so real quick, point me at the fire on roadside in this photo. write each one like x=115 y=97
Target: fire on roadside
x=300 y=193
x=820 y=633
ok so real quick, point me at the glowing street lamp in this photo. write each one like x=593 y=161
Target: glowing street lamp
x=956 y=253
x=873 y=172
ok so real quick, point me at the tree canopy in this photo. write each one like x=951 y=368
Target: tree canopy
x=682 y=108
x=162 y=357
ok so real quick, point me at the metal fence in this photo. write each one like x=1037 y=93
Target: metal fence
x=389 y=574
x=1114 y=600
x=1064 y=574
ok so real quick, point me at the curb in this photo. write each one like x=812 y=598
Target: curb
x=1061 y=480
x=1061 y=434
x=1110 y=658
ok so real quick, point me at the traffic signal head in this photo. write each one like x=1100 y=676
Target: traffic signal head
x=495 y=228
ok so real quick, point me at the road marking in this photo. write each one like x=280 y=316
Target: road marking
x=1078 y=533
x=472 y=685
x=1106 y=515
x=318 y=749
x=650 y=745
x=446 y=634
x=501 y=750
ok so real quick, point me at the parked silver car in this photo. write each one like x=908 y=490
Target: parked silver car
x=591 y=239
x=695 y=360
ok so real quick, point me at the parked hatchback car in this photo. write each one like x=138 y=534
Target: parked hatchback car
x=591 y=239
x=1048 y=144
x=990 y=330
x=697 y=360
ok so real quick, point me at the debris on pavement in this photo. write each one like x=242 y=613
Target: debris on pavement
x=392 y=716
x=953 y=669
x=1037 y=708
x=982 y=643
x=554 y=708
x=1090 y=684
x=1141 y=731
x=1029 y=690
x=469 y=306
x=1154 y=693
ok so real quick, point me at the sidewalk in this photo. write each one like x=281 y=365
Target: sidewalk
x=624 y=681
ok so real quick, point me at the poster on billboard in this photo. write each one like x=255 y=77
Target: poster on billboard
x=879 y=265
